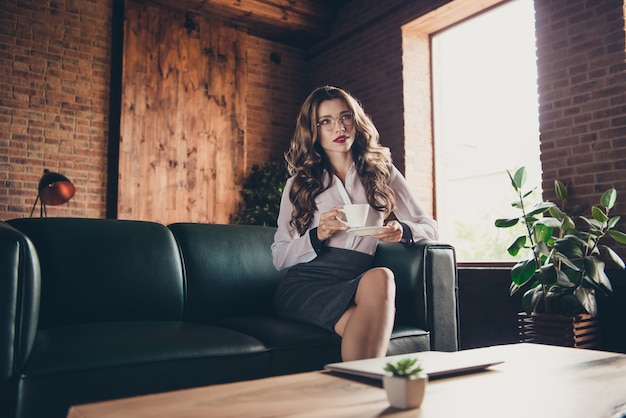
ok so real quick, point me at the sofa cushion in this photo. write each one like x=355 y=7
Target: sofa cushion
x=105 y=270
x=87 y=362
x=295 y=346
x=407 y=339
x=106 y=344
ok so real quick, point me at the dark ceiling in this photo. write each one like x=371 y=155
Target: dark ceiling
x=301 y=23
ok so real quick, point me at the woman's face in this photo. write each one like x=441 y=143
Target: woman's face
x=335 y=126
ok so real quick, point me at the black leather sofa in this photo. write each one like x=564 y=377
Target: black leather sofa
x=94 y=309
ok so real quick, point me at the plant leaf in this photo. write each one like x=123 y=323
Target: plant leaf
x=539 y=208
x=563 y=258
x=560 y=189
x=547 y=274
x=519 y=178
x=587 y=299
x=550 y=222
x=405 y=367
x=594 y=269
x=523 y=271
x=562 y=280
x=617 y=236
x=612 y=222
x=568 y=224
x=594 y=224
x=598 y=214
x=532 y=298
x=530 y=220
x=555 y=212
x=608 y=198
x=506 y=223
x=614 y=256
x=542 y=249
x=543 y=232
x=605 y=281
x=570 y=246
x=517 y=245
x=538 y=296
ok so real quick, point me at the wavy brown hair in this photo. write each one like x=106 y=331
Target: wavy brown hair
x=308 y=163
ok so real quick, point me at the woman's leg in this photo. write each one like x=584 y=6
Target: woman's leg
x=366 y=326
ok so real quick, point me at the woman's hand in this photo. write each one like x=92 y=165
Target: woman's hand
x=331 y=222
x=392 y=232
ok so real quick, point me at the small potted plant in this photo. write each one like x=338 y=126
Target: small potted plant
x=405 y=383
x=564 y=273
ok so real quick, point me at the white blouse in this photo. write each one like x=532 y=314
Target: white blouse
x=290 y=248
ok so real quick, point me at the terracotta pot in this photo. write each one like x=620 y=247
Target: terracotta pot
x=405 y=393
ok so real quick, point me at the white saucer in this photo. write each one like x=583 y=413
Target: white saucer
x=365 y=231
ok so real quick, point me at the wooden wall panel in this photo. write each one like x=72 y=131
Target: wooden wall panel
x=182 y=155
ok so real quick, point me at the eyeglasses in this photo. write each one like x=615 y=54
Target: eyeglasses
x=329 y=123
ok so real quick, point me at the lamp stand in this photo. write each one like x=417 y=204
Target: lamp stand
x=42 y=209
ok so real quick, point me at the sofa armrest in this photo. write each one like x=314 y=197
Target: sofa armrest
x=19 y=306
x=427 y=289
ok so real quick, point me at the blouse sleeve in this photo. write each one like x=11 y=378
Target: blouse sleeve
x=289 y=247
x=408 y=210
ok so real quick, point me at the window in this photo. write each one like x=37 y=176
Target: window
x=484 y=121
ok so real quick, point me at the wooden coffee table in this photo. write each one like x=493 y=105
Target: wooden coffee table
x=535 y=380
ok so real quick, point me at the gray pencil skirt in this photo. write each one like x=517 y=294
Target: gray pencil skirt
x=320 y=291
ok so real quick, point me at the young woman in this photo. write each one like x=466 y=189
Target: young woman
x=335 y=159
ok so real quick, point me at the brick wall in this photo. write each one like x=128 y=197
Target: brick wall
x=277 y=84
x=54 y=81
x=582 y=86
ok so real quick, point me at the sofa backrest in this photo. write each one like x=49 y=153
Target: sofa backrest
x=229 y=270
x=105 y=270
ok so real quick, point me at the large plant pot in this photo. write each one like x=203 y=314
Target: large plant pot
x=405 y=393
x=578 y=331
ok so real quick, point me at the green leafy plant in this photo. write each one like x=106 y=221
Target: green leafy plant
x=261 y=194
x=565 y=267
x=406 y=367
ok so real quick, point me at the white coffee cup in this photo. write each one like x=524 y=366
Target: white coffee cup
x=356 y=215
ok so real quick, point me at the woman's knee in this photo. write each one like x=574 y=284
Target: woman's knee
x=378 y=283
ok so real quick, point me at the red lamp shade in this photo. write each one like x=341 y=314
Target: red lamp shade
x=55 y=188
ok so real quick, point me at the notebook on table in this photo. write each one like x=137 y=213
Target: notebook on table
x=435 y=363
